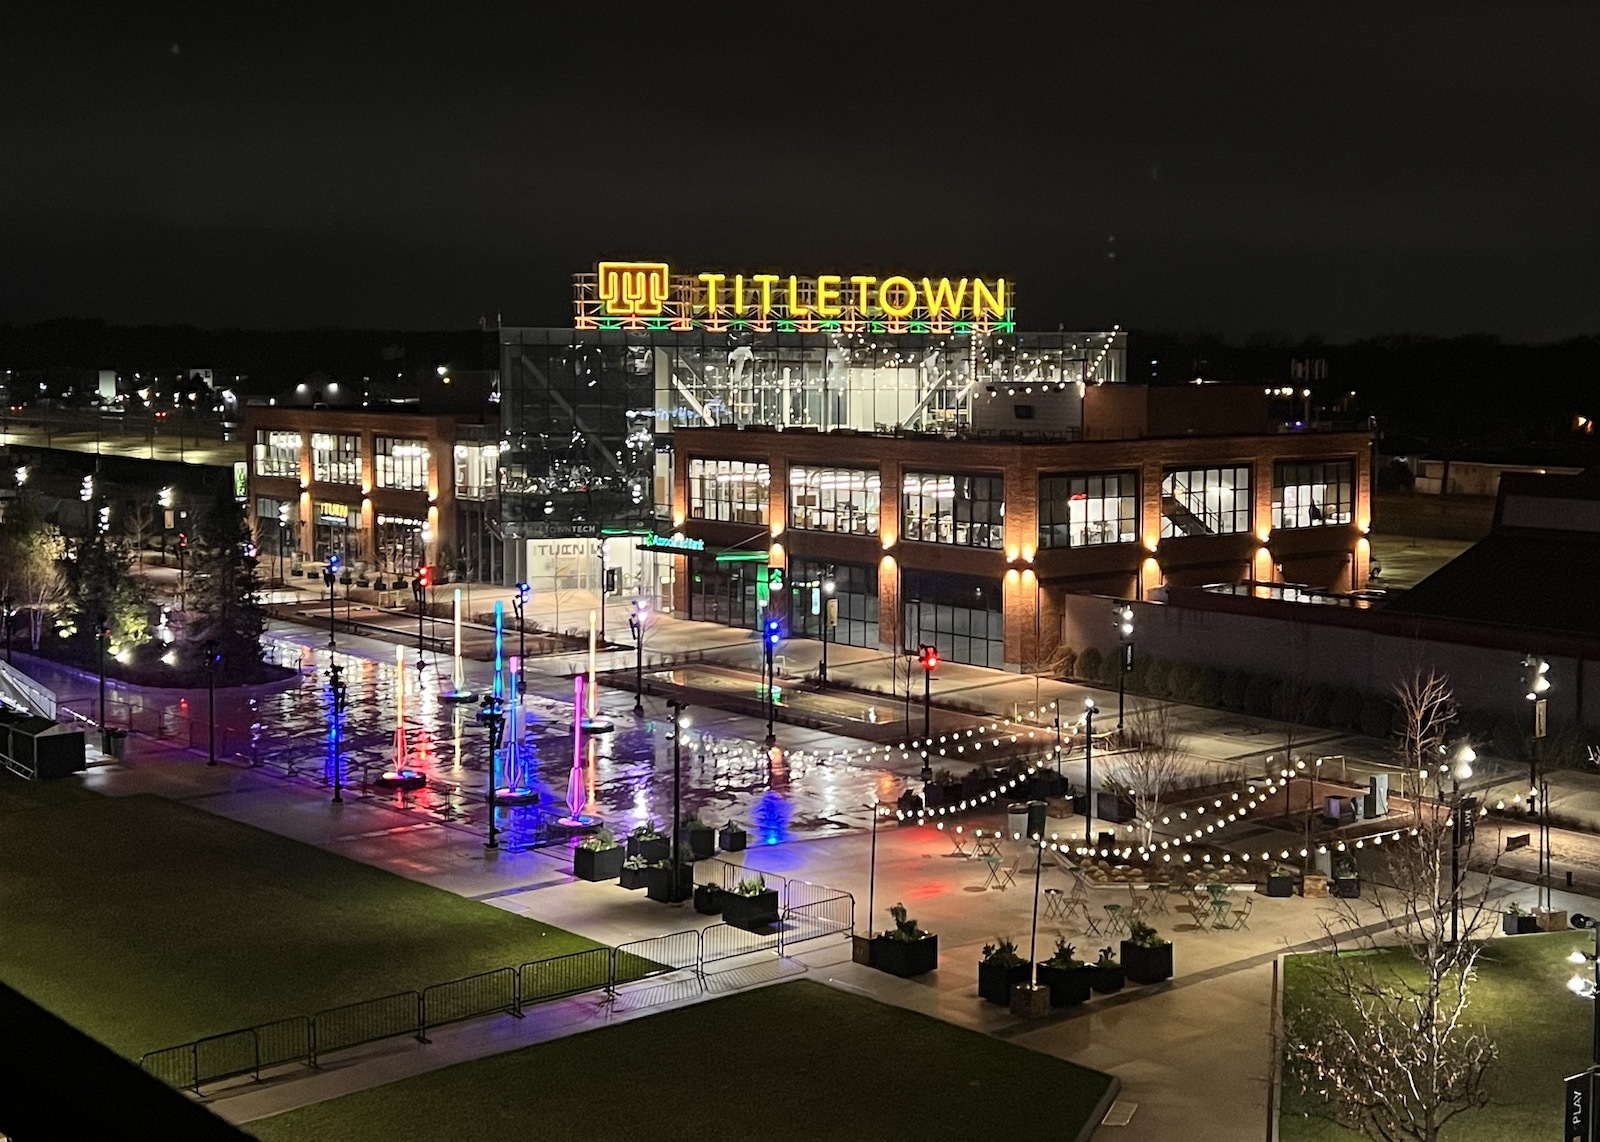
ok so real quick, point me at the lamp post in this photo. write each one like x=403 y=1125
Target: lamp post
x=636 y=620
x=1461 y=772
x=928 y=655
x=1122 y=618
x=1589 y=988
x=519 y=603
x=1033 y=933
x=495 y=719
x=6 y=603
x=102 y=635
x=183 y=550
x=340 y=700
x=774 y=632
x=1056 y=705
x=830 y=607
x=330 y=576
x=419 y=588
x=1089 y=711
x=677 y=793
x=210 y=646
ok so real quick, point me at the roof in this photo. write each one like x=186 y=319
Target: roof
x=1537 y=580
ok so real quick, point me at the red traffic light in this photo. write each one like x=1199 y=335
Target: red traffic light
x=425 y=576
x=929 y=657
x=183 y=539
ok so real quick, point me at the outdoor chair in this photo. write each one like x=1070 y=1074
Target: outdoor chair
x=1241 y=916
x=1137 y=903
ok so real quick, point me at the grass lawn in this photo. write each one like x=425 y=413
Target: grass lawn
x=1542 y=1030
x=147 y=923
x=793 y=1061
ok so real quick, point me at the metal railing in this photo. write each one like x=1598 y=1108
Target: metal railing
x=818 y=911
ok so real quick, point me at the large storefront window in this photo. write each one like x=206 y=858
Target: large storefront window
x=400 y=546
x=401 y=463
x=1312 y=493
x=277 y=453
x=476 y=468
x=833 y=499
x=724 y=592
x=854 y=588
x=276 y=522
x=1205 y=501
x=958 y=614
x=734 y=491
x=968 y=511
x=335 y=458
x=1088 y=511
x=336 y=531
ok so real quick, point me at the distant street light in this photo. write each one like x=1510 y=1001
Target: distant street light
x=830 y=608
x=636 y=626
x=212 y=658
x=1089 y=711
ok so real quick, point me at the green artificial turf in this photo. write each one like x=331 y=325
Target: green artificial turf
x=147 y=923
x=793 y=1061
x=1542 y=1030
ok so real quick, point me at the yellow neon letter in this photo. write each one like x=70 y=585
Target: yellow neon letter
x=940 y=300
x=982 y=299
x=738 y=294
x=907 y=291
x=863 y=299
x=795 y=309
x=766 y=282
x=828 y=296
x=713 y=284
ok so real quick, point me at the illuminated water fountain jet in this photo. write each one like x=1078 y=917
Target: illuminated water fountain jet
x=591 y=722
x=459 y=691
x=400 y=775
x=519 y=788
x=577 y=787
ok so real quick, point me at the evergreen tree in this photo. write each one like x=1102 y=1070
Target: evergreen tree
x=224 y=595
x=100 y=583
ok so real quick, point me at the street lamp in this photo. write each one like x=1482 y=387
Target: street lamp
x=677 y=796
x=330 y=576
x=419 y=590
x=1588 y=988
x=830 y=609
x=519 y=601
x=340 y=701
x=283 y=537
x=1461 y=772
x=928 y=656
x=636 y=621
x=493 y=717
x=1056 y=706
x=773 y=633
x=210 y=646
x=102 y=635
x=1122 y=619
x=183 y=550
x=1089 y=711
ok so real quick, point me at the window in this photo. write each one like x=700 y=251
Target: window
x=855 y=591
x=957 y=614
x=477 y=468
x=834 y=499
x=968 y=511
x=1088 y=511
x=734 y=491
x=400 y=546
x=401 y=463
x=335 y=458
x=1205 y=501
x=335 y=531
x=1312 y=493
x=277 y=453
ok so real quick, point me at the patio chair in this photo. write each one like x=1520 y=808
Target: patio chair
x=1137 y=902
x=1241 y=916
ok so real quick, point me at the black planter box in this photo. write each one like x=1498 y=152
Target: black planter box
x=909 y=802
x=1514 y=925
x=1348 y=887
x=658 y=884
x=933 y=795
x=702 y=843
x=1080 y=804
x=708 y=899
x=597 y=864
x=651 y=849
x=905 y=958
x=1105 y=980
x=1146 y=965
x=630 y=878
x=1068 y=986
x=1280 y=885
x=730 y=839
x=952 y=793
x=751 y=912
x=995 y=981
x=1047 y=783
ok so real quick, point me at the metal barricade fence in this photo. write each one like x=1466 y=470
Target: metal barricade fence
x=571 y=974
x=284 y=1041
x=365 y=1022
x=223 y=1056
x=732 y=874
x=467 y=998
x=174 y=1066
x=818 y=918
x=725 y=942
x=659 y=955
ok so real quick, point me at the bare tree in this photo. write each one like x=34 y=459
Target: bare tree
x=137 y=526
x=1151 y=767
x=1380 y=1042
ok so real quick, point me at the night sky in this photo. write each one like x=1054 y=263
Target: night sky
x=1339 y=169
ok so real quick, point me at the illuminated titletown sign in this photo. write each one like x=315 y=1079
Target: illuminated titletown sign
x=648 y=295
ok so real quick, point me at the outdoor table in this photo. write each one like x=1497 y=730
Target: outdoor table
x=1220 y=906
x=1158 y=895
x=1116 y=922
x=985 y=844
x=1056 y=905
x=999 y=874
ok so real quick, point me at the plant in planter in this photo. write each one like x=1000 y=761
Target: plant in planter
x=949 y=786
x=751 y=905
x=1280 y=881
x=905 y=950
x=1065 y=975
x=649 y=842
x=597 y=857
x=661 y=884
x=1000 y=968
x=631 y=875
x=1146 y=954
x=701 y=838
x=1518 y=921
x=708 y=899
x=1346 y=879
x=977 y=782
x=732 y=838
x=909 y=802
x=1105 y=974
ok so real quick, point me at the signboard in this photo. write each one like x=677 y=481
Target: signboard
x=1539 y=707
x=648 y=295
x=241 y=481
x=1577 y=1117
x=672 y=543
x=543 y=530
x=832 y=619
